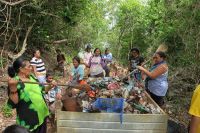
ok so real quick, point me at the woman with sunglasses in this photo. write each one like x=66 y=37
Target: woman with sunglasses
x=156 y=82
x=27 y=98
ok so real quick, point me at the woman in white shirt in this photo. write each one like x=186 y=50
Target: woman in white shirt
x=96 y=64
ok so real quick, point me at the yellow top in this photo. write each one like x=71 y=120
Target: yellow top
x=195 y=105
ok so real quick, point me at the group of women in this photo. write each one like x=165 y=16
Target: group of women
x=28 y=99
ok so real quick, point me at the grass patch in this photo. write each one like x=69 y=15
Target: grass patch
x=6 y=110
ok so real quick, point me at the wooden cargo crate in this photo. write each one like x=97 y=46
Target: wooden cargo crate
x=79 y=122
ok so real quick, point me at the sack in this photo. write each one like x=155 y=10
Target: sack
x=110 y=105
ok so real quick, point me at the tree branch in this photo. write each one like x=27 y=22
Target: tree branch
x=50 y=14
x=12 y=3
x=60 y=41
x=10 y=55
x=3 y=8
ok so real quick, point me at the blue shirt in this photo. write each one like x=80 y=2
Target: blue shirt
x=78 y=73
x=159 y=85
x=51 y=95
x=107 y=58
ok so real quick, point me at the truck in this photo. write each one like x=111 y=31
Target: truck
x=80 y=122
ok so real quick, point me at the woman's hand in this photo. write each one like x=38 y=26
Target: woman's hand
x=53 y=84
x=156 y=72
x=140 y=68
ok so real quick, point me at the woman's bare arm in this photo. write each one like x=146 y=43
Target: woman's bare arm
x=157 y=72
x=13 y=95
x=195 y=123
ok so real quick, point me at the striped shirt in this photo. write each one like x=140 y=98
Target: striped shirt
x=40 y=67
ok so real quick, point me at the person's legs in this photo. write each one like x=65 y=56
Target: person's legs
x=63 y=69
x=158 y=99
x=107 y=71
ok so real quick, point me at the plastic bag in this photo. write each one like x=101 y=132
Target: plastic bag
x=110 y=105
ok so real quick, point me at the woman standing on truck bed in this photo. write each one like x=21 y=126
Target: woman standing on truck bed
x=156 y=82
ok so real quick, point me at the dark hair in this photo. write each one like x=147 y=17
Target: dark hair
x=135 y=49
x=34 y=51
x=58 y=50
x=15 y=129
x=89 y=46
x=49 y=73
x=14 y=69
x=77 y=59
x=107 y=49
x=96 y=50
x=161 y=54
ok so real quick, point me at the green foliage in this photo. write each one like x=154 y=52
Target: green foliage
x=117 y=24
x=6 y=110
x=146 y=26
x=2 y=62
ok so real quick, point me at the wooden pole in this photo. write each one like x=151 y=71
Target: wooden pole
x=29 y=82
x=85 y=87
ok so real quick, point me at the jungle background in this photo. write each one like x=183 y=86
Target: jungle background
x=115 y=24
